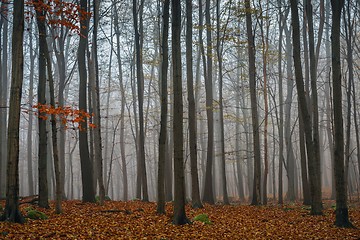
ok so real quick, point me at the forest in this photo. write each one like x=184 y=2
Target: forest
x=232 y=119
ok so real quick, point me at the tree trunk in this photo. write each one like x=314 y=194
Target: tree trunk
x=219 y=53
x=240 y=183
x=349 y=30
x=31 y=117
x=179 y=199
x=164 y=110
x=58 y=187
x=195 y=191
x=304 y=172
x=3 y=96
x=315 y=177
x=208 y=188
x=329 y=117
x=253 y=100
x=316 y=205
x=265 y=51
x=11 y=211
x=44 y=53
x=123 y=102
x=290 y=157
x=43 y=174
x=281 y=107
x=86 y=164
x=140 y=90
x=59 y=48
x=96 y=106
x=342 y=215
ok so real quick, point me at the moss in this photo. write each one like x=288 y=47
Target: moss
x=28 y=209
x=34 y=214
x=97 y=198
x=204 y=218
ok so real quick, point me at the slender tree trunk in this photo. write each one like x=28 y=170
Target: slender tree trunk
x=179 y=199
x=315 y=177
x=96 y=105
x=316 y=205
x=208 y=188
x=58 y=187
x=3 y=96
x=164 y=110
x=202 y=57
x=219 y=53
x=55 y=152
x=265 y=50
x=304 y=172
x=86 y=164
x=195 y=191
x=240 y=183
x=59 y=47
x=349 y=29
x=140 y=90
x=290 y=157
x=43 y=174
x=31 y=117
x=11 y=211
x=342 y=215
x=123 y=102
x=281 y=107
x=328 y=94
x=254 y=112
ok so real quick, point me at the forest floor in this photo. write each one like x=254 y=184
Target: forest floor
x=138 y=220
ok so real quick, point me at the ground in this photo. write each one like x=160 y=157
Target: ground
x=138 y=220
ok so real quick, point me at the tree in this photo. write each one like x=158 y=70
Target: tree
x=86 y=164
x=314 y=166
x=3 y=94
x=43 y=137
x=195 y=191
x=31 y=114
x=265 y=52
x=164 y=109
x=253 y=101
x=208 y=188
x=219 y=53
x=58 y=187
x=281 y=107
x=60 y=33
x=342 y=215
x=140 y=91
x=96 y=105
x=123 y=102
x=12 y=212
x=179 y=183
x=44 y=54
x=316 y=205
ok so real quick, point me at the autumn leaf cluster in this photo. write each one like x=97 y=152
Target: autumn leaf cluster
x=138 y=220
x=60 y=13
x=69 y=117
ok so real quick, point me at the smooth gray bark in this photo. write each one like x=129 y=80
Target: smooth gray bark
x=179 y=217
x=12 y=212
x=164 y=110
x=85 y=161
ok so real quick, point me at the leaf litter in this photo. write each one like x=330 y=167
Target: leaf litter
x=138 y=220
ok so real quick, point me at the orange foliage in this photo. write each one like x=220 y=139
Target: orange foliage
x=138 y=220
x=60 y=13
x=67 y=115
